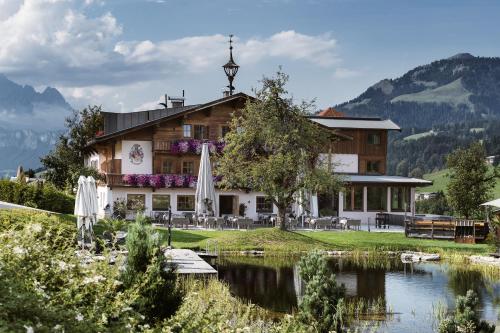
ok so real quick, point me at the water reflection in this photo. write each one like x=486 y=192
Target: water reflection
x=410 y=289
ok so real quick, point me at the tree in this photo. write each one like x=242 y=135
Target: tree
x=65 y=163
x=437 y=205
x=274 y=148
x=402 y=168
x=470 y=180
x=465 y=318
x=322 y=305
x=416 y=173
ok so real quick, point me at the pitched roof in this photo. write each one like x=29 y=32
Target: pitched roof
x=121 y=123
x=350 y=122
x=331 y=112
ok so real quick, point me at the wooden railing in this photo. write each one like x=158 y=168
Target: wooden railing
x=162 y=145
x=113 y=179
x=112 y=166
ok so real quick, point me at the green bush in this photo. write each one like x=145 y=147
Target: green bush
x=36 y=195
x=465 y=317
x=322 y=305
x=148 y=270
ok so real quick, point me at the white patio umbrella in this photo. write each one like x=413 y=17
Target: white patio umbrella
x=205 y=190
x=314 y=205
x=300 y=205
x=85 y=205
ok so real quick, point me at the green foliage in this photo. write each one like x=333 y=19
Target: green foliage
x=202 y=312
x=36 y=195
x=65 y=163
x=470 y=182
x=273 y=148
x=465 y=317
x=437 y=205
x=148 y=271
x=322 y=305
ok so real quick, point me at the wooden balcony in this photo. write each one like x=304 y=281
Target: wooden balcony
x=162 y=145
x=112 y=166
x=114 y=179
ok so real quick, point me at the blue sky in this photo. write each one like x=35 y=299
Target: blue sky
x=125 y=54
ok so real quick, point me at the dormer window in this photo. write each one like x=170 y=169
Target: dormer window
x=374 y=139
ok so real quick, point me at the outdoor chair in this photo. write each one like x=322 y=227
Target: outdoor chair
x=244 y=222
x=355 y=224
x=180 y=221
x=322 y=223
x=210 y=222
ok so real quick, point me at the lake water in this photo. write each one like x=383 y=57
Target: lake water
x=409 y=290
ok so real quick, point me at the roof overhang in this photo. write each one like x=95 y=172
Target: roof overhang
x=194 y=108
x=356 y=123
x=386 y=180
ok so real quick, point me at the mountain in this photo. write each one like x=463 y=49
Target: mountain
x=30 y=123
x=461 y=88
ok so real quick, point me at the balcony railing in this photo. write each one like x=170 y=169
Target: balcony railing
x=162 y=145
x=154 y=181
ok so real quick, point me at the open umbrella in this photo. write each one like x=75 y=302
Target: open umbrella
x=205 y=190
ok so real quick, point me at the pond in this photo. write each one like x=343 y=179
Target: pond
x=411 y=291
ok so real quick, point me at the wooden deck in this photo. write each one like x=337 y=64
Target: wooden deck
x=188 y=262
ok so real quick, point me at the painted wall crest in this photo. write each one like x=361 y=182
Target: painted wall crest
x=136 y=154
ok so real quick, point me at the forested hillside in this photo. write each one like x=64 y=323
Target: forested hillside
x=413 y=152
x=462 y=88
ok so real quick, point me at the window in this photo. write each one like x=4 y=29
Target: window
x=373 y=166
x=186 y=130
x=161 y=201
x=188 y=168
x=185 y=202
x=200 y=132
x=374 y=139
x=167 y=166
x=353 y=198
x=377 y=198
x=224 y=131
x=136 y=201
x=93 y=164
x=400 y=198
x=264 y=205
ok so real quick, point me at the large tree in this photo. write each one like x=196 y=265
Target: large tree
x=471 y=181
x=66 y=161
x=273 y=148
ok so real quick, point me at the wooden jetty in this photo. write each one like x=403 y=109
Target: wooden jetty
x=188 y=262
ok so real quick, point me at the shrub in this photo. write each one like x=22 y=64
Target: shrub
x=147 y=270
x=36 y=195
x=322 y=305
x=465 y=317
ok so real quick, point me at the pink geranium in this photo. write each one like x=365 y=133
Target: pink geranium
x=168 y=181
x=130 y=180
x=157 y=181
x=179 y=180
x=143 y=180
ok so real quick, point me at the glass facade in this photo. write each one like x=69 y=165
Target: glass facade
x=185 y=202
x=161 y=201
x=377 y=198
x=400 y=199
x=353 y=199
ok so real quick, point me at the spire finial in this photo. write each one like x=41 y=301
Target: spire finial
x=231 y=68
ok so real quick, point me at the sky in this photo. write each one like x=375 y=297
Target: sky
x=126 y=54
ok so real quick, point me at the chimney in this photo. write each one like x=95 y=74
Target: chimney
x=177 y=102
x=225 y=93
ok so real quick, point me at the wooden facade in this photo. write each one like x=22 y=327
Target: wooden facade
x=372 y=154
x=209 y=122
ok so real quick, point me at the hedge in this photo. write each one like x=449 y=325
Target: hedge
x=37 y=195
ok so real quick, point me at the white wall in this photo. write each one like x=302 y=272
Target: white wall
x=345 y=163
x=144 y=166
x=249 y=199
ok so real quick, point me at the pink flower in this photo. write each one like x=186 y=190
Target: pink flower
x=157 y=181
x=130 y=180
x=183 y=146
x=168 y=180
x=143 y=180
x=179 y=180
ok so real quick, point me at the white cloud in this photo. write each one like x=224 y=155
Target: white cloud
x=345 y=73
x=60 y=43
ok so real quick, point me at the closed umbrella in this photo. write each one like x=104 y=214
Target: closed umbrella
x=314 y=205
x=85 y=205
x=92 y=193
x=205 y=190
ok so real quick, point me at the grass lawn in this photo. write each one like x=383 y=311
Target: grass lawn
x=272 y=241
x=440 y=180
